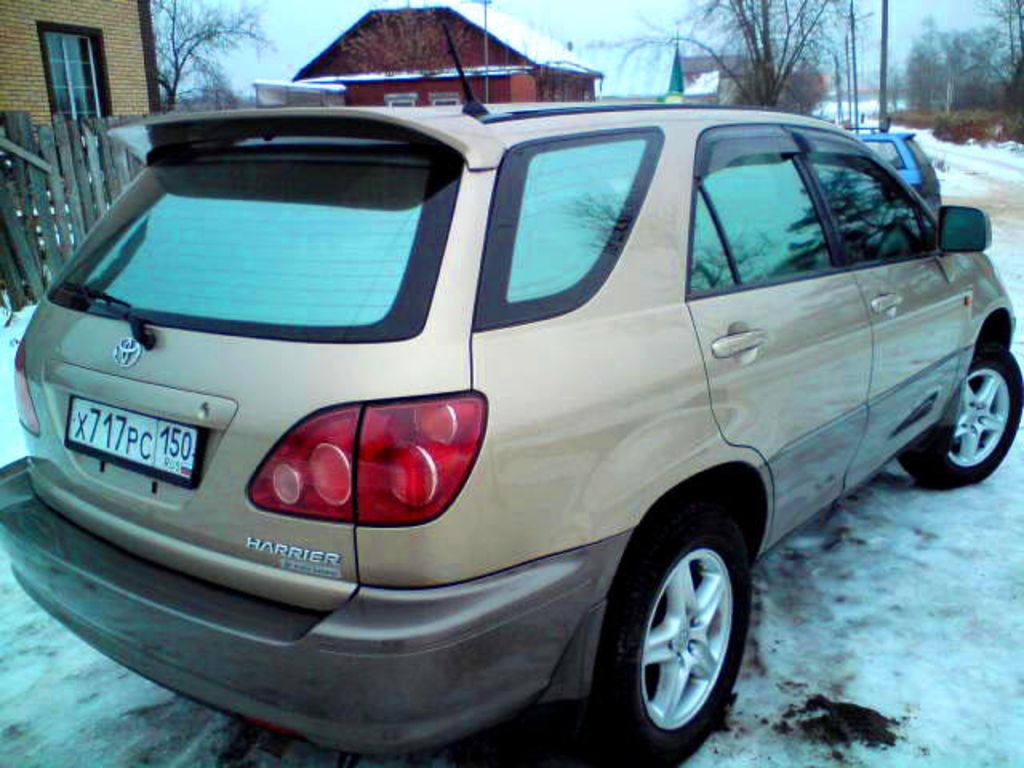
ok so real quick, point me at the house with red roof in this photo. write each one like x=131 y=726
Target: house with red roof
x=399 y=57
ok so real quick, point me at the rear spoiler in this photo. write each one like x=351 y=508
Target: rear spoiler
x=474 y=141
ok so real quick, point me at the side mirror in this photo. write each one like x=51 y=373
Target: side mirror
x=963 y=229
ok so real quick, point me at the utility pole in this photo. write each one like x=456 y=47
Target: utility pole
x=853 y=58
x=487 y=40
x=849 y=81
x=883 y=78
x=839 y=88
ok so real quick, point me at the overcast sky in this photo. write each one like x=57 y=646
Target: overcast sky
x=299 y=29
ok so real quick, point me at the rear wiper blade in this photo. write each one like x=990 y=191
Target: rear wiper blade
x=141 y=332
x=91 y=294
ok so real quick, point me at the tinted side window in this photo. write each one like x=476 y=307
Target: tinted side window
x=562 y=213
x=709 y=262
x=768 y=217
x=876 y=218
x=571 y=204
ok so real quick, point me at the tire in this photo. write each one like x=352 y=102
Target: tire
x=704 y=543
x=941 y=463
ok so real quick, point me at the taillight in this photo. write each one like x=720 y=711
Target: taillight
x=414 y=457
x=407 y=465
x=26 y=408
x=310 y=472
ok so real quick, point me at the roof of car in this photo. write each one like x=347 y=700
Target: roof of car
x=481 y=141
x=888 y=135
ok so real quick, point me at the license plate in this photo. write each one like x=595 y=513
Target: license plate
x=147 y=444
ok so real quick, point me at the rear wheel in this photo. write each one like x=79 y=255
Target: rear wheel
x=673 y=640
x=987 y=419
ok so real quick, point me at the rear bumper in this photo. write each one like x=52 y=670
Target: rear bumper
x=390 y=671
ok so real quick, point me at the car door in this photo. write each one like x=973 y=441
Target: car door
x=784 y=334
x=919 y=306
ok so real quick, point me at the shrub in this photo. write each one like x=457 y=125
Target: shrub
x=1015 y=129
x=913 y=119
x=980 y=125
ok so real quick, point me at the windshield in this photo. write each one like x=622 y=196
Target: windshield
x=308 y=246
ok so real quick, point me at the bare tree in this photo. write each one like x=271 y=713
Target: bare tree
x=403 y=41
x=955 y=70
x=759 y=45
x=1008 y=16
x=191 y=37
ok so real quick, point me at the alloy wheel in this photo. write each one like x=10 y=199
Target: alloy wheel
x=984 y=412
x=686 y=640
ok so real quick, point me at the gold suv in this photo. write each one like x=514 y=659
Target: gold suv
x=382 y=426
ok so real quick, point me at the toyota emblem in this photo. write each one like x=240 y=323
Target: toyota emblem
x=127 y=352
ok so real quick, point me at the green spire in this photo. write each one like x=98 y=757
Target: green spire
x=677 y=85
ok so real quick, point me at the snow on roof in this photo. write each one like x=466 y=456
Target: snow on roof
x=514 y=33
x=704 y=84
x=419 y=74
x=315 y=84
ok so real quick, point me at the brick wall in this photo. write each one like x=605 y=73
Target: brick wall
x=22 y=73
x=372 y=93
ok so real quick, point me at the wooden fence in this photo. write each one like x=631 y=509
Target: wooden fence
x=56 y=181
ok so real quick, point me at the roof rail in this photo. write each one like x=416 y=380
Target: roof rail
x=527 y=114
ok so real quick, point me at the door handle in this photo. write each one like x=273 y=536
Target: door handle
x=886 y=302
x=736 y=344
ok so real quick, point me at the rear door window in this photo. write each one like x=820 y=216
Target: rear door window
x=769 y=219
x=876 y=217
x=309 y=247
x=563 y=211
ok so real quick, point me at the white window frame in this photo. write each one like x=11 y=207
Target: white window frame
x=65 y=38
x=401 y=99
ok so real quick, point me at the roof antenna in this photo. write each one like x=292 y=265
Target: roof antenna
x=472 y=107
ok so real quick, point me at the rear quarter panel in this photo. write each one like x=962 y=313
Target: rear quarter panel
x=593 y=415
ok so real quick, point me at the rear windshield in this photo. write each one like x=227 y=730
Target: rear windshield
x=929 y=177
x=308 y=245
x=889 y=151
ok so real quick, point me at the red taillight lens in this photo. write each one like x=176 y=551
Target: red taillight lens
x=310 y=472
x=414 y=457
x=411 y=461
x=26 y=408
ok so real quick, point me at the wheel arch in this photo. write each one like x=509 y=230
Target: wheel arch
x=737 y=486
x=996 y=329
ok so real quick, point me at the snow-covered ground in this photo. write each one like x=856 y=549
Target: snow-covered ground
x=905 y=601
x=11 y=445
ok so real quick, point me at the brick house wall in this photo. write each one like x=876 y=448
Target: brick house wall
x=127 y=72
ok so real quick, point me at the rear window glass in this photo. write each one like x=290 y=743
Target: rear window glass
x=889 y=152
x=305 y=247
x=922 y=159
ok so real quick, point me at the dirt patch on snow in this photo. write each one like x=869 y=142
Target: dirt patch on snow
x=839 y=723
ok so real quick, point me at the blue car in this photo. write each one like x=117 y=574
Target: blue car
x=906 y=156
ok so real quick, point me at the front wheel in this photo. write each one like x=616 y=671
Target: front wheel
x=987 y=420
x=673 y=640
